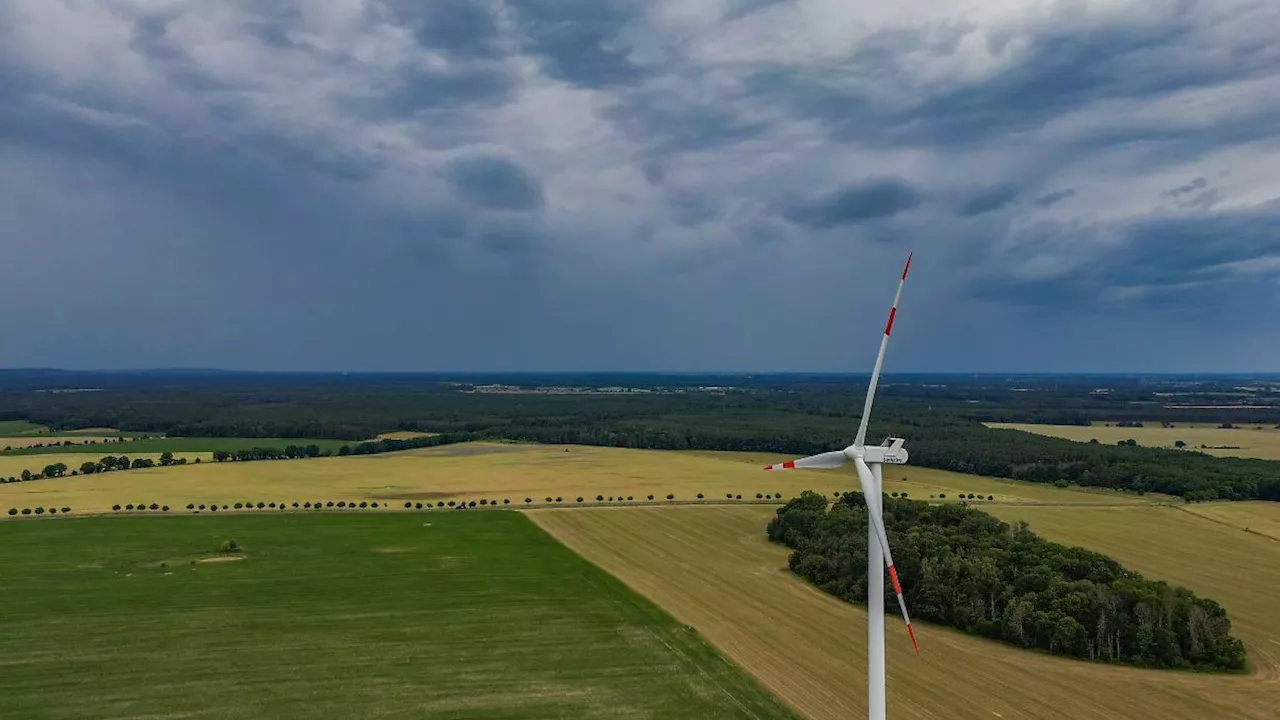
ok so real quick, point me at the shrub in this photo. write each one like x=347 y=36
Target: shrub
x=163 y=508
x=364 y=503
x=116 y=508
x=611 y=498
x=989 y=497
x=548 y=498
x=155 y=506
x=230 y=546
x=13 y=511
x=735 y=497
x=295 y=503
x=699 y=496
x=201 y=506
x=262 y=504
x=778 y=495
x=759 y=496
x=506 y=501
x=599 y=498
x=238 y=505
x=579 y=498
x=373 y=504
x=272 y=505
x=417 y=506
x=650 y=497
x=129 y=506
x=528 y=501
x=213 y=508
x=328 y=504
x=559 y=499
x=440 y=503
x=671 y=496
x=26 y=511
x=486 y=502
x=629 y=498
x=728 y=496
x=308 y=504
x=451 y=503
x=902 y=494
x=40 y=510
x=407 y=505
x=942 y=496
x=836 y=493
x=472 y=503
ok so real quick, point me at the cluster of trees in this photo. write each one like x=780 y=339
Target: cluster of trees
x=63 y=443
x=371 y=447
x=140 y=507
x=109 y=463
x=776 y=414
x=968 y=570
x=38 y=511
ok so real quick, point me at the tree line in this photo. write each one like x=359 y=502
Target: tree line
x=787 y=416
x=965 y=569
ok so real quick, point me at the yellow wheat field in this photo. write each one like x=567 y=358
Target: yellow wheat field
x=713 y=569
x=1251 y=440
x=492 y=471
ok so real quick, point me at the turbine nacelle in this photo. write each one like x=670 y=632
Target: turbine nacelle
x=889 y=452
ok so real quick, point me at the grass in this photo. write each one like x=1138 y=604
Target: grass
x=494 y=471
x=1254 y=441
x=177 y=445
x=15 y=427
x=464 y=616
x=713 y=569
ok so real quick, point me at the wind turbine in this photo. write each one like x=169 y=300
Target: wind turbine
x=869 y=461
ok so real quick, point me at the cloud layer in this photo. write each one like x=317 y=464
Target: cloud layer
x=617 y=184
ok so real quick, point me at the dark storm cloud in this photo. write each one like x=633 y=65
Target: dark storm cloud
x=450 y=90
x=1190 y=187
x=738 y=9
x=579 y=41
x=666 y=123
x=1171 y=262
x=495 y=182
x=1055 y=197
x=459 y=28
x=987 y=200
x=1063 y=67
x=870 y=200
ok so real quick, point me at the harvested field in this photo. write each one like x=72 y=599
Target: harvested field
x=1256 y=516
x=1255 y=441
x=713 y=569
x=493 y=471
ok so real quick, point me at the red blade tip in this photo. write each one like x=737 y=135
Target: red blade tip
x=908 y=265
x=912 y=633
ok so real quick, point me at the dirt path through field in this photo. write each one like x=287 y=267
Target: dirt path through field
x=713 y=569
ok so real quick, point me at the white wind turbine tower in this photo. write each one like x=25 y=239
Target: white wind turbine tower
x=868 y=461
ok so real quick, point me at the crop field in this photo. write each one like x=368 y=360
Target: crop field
x=1256 y=516
x=174 y=445
x=1255 y=441
x=340 y=616
x=713 y=569
x=494 y=471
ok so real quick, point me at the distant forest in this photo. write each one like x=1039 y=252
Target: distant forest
x=968 y=570
x=940 y=415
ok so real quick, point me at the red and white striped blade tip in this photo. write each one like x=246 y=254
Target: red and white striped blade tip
x=788 y=465
x=912 y=633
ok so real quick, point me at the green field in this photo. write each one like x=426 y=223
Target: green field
x=466 y=615
x=176 y=445
x=17 y=427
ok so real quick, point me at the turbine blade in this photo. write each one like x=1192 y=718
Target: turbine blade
x=833 y=459
x=884 y=342
x=876 y=518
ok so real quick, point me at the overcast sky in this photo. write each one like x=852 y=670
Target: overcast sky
x=1088 y=185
